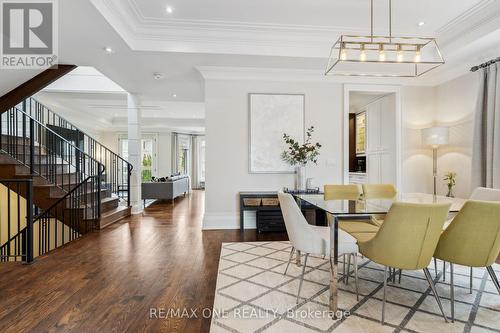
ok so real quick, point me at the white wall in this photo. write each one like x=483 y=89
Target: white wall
x=417 y=113
x=227 y=143
x=455 y=103
x=450 y=104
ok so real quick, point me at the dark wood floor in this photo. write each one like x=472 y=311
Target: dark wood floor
x=109 y=280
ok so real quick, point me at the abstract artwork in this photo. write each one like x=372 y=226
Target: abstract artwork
x=271 y=115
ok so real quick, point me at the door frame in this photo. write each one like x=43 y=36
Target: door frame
x=348 y=88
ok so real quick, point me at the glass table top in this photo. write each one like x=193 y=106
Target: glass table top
x=375 y=206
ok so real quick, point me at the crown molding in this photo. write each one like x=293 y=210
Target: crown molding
x=264 y=39
x=211 y=73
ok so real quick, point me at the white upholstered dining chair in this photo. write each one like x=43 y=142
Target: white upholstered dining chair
x=310 y=239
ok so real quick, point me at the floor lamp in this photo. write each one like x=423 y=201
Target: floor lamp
x=435 y=137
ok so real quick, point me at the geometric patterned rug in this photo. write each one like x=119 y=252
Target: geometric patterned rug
x=253 y=295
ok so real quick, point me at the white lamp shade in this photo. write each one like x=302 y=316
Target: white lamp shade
x=435 y=136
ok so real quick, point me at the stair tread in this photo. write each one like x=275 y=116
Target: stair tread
x=114 y=211
x=109 y=199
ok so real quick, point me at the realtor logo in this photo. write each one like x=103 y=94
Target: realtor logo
x=28 y=33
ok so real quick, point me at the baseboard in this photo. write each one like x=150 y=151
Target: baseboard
x=225 y=221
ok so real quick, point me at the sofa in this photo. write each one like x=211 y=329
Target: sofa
x=170 y=189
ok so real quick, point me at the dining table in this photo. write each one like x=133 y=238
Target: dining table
x=361 y=210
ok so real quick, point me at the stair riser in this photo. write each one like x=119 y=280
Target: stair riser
x=109 y=205
x=44 y=169
x=108 y=220
x=61 y=179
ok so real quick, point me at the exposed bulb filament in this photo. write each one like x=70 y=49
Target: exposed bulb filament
x=418 y=54
x=381 y=53
x=362 y=55
x=399 y=54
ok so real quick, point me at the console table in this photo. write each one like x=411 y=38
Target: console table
x=319 y=214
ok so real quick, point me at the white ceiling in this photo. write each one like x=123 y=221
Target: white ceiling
x=351 y=15
x=250 y=39
x=95 y=112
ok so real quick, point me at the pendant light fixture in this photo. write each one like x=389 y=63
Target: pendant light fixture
x=383 y=56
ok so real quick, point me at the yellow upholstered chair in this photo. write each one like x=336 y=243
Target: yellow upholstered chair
x=407 y=240
x=472 y=239
x=343 y=192
x=379 y=191
x=351 y=192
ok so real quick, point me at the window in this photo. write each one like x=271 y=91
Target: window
x=148 y=155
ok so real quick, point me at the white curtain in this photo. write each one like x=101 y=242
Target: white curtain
x=174 y=152
x=486 y=144
x=195 y=179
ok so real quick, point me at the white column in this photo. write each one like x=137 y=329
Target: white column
x=134 y=151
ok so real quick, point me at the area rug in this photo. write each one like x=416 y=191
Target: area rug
x=253 y=295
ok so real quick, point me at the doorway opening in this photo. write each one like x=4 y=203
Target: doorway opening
x=372 y=132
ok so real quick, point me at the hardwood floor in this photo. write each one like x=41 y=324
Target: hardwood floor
x=109 y=280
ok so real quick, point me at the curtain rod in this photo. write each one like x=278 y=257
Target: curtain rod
x=484 y=64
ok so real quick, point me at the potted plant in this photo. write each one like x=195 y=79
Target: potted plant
x=298 y=155
x=450 y=179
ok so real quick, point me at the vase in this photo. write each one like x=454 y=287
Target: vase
x=300 y=178
x=450 y=193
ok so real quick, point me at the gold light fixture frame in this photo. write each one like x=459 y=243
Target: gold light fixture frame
x=384 y=45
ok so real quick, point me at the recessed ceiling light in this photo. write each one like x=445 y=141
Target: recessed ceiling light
x=421 y=23
x=158 y=76
x=108 y=49
x=169 y=9
x=174 y=95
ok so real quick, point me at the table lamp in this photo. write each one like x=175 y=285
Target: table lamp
x=435 y=137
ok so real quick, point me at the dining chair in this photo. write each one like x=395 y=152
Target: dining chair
x=481 y=194
x=472 y=239
x=407 y=240
x=379 y=191
x=311 y=239
x=353 y=193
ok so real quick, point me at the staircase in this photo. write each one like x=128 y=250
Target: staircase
x=77 y=184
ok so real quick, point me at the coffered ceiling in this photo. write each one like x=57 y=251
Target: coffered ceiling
x=300 y=28
x=258 y=39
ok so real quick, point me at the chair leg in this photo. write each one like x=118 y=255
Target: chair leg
x=348 y=268
x=434 y=291
x=435 y=267
x=494 y=278
x=356 y=274
x=343 y=268
x=471 y=278
x=289 y=259
x=400 y=273
x=302 y=276
x=444 y=270
x=452 y=294
x=383 y=300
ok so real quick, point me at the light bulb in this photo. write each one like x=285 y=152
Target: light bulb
x=381 y=53
x=418 y=54
x=399 y=54
x=343 y=53
x=362 y=55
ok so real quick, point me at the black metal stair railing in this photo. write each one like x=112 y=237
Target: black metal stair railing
x=16 y=236
x=118 y=170
x=45 y=152
x=72 y=216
